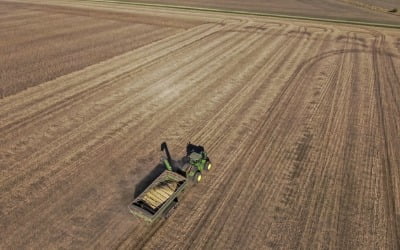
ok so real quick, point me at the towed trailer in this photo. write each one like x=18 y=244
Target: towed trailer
x=162 y=195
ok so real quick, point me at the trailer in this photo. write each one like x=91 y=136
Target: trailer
x=160 y=197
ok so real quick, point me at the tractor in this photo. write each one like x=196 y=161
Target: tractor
x=191 y=165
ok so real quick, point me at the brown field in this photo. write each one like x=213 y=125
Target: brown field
x=301 y=120
x=40 y=43
x=383 y=3
x=376 y=11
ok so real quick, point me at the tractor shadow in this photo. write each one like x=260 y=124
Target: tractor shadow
x=148 y=179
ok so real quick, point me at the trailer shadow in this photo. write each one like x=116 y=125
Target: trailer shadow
x=148 y=179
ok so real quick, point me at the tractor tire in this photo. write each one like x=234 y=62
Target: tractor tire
x=208 y=165
x=197 y=177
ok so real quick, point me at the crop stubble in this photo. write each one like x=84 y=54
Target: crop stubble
x=40 y=43
x=300 y=119
x=363 y=10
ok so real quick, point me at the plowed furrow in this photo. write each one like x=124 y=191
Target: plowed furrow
x=213 y=213
x=91 y=132
x=76 y=80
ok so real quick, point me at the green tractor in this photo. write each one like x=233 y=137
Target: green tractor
x=191 y=165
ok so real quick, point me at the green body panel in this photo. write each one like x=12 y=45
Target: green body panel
x=167 y=165
x=195 y=159
x=198 y=160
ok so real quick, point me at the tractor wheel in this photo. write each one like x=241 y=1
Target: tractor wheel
x=208 y=165
x=197 y=177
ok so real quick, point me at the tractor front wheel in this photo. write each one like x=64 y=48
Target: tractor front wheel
x=208 y=165
x=197 y=177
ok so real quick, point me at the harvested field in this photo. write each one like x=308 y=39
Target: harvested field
x=39 y=43
x=389 y=4
x=337 y=9
x=301 y=120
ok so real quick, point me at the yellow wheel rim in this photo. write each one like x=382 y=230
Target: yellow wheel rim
x=198 y=178
x=209 y=166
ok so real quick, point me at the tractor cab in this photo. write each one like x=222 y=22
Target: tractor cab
x=190 y=148
x=194 y=157
x=198 y=157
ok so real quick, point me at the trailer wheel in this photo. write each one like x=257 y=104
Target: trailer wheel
x=197 y=177
x=173 y=207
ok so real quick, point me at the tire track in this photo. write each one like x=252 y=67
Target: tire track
x=199 y=224
x=175 y=41
x=83 y=91
x=242 y=187
x=80 y=137
x=387 y=165
x=256 y=179
x=238 y=45
x=147 y=88
x=301 y=147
